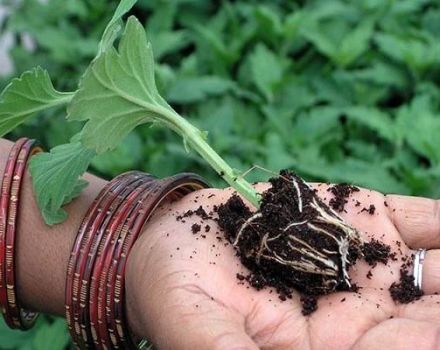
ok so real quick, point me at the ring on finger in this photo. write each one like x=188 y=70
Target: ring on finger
x=419 y=259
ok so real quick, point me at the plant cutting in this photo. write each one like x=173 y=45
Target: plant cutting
x=293 y=240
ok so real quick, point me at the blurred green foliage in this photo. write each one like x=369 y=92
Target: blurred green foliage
x=336 y=90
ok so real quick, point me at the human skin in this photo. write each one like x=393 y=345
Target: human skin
x=182 y=300
x=182 y=291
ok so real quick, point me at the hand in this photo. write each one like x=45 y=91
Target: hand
x=183 y=293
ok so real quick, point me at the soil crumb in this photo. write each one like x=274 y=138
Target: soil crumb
x=341 y=193
x=309 y=304
x=195 y=228
x=376 y=251
x=404 y=291
x=370 y=210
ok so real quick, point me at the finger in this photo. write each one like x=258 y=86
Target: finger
x=401 y=334
x=417 y=220
x=426 y=309
x=431 y=272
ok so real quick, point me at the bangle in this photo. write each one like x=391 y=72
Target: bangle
x=97 y=305
x=15 y=316
x=76 y=290
x=172 y=188
x=95 y=280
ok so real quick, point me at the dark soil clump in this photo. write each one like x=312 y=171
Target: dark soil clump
x=370 y=210
x=309 y=304
x=405 y=291
x=295 y=241
x=195 y=228
x=341 y=193
x=376 y=251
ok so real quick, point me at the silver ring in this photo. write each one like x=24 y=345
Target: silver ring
x=419 y=259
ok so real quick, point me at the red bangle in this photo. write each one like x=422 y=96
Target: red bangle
x=95 y=277
x=170 y=188
x=91 y=273
x=100 y=272
x=80 y=250
x=15 y=316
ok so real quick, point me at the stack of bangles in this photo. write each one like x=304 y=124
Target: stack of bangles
x=95 y=283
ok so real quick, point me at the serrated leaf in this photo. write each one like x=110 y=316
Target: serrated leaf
x=374 y=119
x=25 y=96
x=114 y=26
x=419 y=125
x=55 y=178
x=118 y=91
x=267 y=70
x=355 y=43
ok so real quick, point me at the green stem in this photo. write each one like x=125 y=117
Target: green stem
x=195 y=139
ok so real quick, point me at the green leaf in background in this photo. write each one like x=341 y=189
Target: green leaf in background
x=192 y=89
x=126 y=156
x=55 y=178
x=419 y=126
x=266 y=69
x=118 y=91
x=374 y=119
x=26 y=96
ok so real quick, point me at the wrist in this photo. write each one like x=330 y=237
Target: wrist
x=136 y=274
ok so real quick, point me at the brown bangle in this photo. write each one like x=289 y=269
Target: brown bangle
x=74 y=293
x=96 y=273
x=15 y=316
x=105 y=261
x=170 y=188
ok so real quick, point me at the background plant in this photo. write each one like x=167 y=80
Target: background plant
x=338 y=91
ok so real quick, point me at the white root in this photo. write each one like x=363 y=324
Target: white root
x=308 y=246
x=246 y=224
x=298 y=193
x=325 y=261
x=294 y=224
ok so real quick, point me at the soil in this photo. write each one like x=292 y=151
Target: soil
x=376 y=251
x=370 y=210
x=404 y=291
x=195 y=228
x=293 y=242
x=310 y=304
x=341 y=193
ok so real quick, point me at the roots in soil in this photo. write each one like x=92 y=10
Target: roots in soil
x=294 y=240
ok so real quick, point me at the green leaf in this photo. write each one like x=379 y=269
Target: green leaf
x=355 y=43
x=194 y=89
x=419 y=126
x=267 y=70
x=374 y=119
x=55 y=334
x=25 y=96
x=114 y=26
x=118 y=91
x=124 y=157
x=55 y=178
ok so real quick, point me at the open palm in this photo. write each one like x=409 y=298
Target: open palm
x=190 y=298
